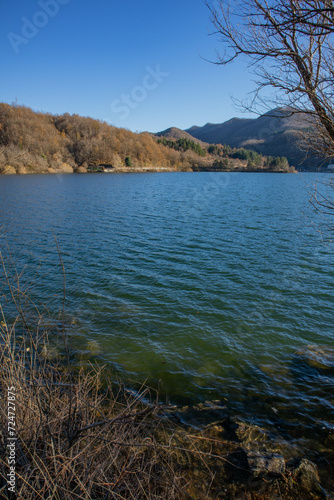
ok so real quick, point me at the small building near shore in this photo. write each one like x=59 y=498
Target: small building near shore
x=103 y=168
x=108 y=168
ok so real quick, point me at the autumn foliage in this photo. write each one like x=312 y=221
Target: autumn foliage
x=33 y=142
x=44 y=143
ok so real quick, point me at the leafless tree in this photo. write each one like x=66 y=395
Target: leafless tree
x=289 y=48
x=316 y=14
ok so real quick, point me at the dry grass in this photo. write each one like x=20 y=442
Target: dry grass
x=76 y=437
x=76 y=441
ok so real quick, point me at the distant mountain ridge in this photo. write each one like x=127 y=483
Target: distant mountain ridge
x=276 y=133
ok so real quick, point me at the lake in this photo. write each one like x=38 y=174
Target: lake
x=208 y=286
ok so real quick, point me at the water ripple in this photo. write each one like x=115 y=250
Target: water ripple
x=204 y=301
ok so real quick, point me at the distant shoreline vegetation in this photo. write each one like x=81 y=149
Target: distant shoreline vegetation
x=34 y=142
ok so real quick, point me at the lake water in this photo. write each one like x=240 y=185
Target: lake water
x=204 y=285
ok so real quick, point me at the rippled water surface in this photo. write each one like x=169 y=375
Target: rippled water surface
x=208 y=286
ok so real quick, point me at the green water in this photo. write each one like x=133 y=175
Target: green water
x=204 y=285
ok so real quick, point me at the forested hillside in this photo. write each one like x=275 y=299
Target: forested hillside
x=33 y=142
x=39 y=142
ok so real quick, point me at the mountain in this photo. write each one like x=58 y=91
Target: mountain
x=276 y=133
x=177 y=133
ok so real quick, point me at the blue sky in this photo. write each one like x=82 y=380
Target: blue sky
x=136 y=64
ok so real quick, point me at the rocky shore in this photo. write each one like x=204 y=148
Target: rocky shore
x=245 y=460
x=234 y=459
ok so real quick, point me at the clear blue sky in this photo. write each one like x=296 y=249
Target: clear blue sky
x=88 y=57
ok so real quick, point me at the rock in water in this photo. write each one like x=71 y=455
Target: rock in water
x=319 y=357
x=202 y=415
x=306 y=473
x=261 y=464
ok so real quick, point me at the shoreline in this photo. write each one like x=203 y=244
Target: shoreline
x=152 y=171
x=208 y=452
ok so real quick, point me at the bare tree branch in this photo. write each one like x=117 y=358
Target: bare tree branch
x=289 y=47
